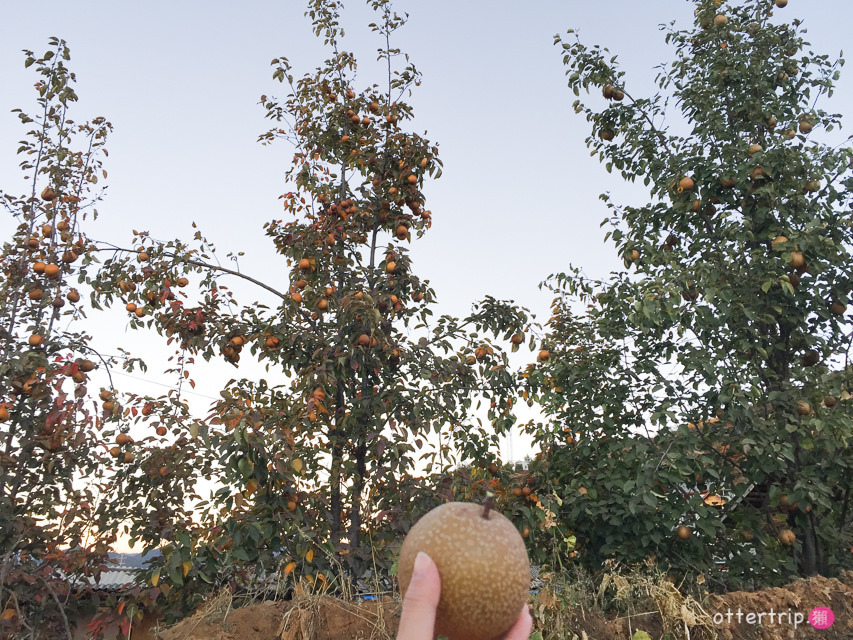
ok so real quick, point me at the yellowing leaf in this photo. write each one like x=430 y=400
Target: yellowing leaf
x=155 y=577
x=289 y=568
x=187 y=566
x=296 y=465
x=310 y=555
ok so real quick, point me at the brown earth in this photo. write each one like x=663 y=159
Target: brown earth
x=799 y=597
x=325 y=618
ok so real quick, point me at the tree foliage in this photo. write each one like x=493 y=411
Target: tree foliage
x=319 y=463
x=707 y=384
x=56 y=523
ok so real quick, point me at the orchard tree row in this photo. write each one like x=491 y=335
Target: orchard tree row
x=695 y=405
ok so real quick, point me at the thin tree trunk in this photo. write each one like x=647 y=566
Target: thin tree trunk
x=358 y=487
x=335 y=470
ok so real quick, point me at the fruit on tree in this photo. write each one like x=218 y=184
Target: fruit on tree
x=683 y=532
x=685 y=184
x=811 y=358
x=544 y=354
x=787 y=537
x=757 y=174
x=803 y=408
x=797 y=260
x=483 y=564
x=720 y=20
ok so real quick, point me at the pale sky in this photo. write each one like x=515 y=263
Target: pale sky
x=181 y=81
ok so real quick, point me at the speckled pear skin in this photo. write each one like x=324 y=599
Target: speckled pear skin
x=477 y=558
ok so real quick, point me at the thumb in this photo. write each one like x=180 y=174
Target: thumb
x=417 y=621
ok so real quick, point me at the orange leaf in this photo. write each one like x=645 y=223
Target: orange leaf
x=121 y=607
x=310 y=555
x=290 y=567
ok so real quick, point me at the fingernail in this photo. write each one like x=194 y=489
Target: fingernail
x=421 y=561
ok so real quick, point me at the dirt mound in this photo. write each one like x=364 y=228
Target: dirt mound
x=787 y=611
x=305 y=618
x=260 y=621
x=776 y=614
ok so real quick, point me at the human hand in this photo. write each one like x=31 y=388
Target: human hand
x=417 y=621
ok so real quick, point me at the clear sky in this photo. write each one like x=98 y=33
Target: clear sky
x=181 y=81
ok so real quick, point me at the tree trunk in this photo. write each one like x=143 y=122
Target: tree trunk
x=335 y=506
x=358 y=487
